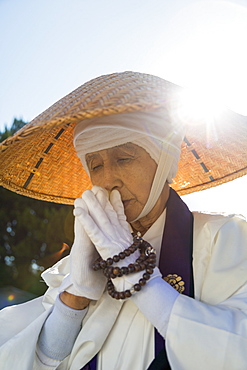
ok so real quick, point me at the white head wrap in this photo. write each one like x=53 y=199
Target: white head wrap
x=153 y=131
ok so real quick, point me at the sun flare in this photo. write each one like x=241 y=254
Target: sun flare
x=209 y=57
x=196 y=106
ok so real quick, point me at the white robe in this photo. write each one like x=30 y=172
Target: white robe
x=208 y=332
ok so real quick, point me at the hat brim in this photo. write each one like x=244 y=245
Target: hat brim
x=40 y=161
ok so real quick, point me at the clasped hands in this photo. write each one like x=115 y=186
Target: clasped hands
x=101 y=230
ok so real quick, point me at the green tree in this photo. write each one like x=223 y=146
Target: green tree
x=16 y=125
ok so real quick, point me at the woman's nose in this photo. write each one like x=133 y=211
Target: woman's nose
x=112 y=180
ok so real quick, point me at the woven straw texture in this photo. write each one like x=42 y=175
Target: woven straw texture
x=40 y=161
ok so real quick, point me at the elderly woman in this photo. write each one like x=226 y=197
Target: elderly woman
x=148 y=284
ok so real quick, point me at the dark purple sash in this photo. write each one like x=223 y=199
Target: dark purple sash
x=175 y=258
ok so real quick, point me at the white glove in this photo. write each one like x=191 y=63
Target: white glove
x=106 y=226
x=103 y=225
x=83 y=280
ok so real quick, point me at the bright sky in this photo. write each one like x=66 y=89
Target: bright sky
x=50 y=47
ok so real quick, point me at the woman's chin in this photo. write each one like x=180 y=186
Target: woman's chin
x=131 y=210
x=131 y=215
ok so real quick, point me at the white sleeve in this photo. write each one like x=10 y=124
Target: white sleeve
x=58 y=334
x=210 y=332
x=156 y=301
x=202 y=336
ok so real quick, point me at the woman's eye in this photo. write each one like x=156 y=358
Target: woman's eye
x=95 y=167
x=124 y=159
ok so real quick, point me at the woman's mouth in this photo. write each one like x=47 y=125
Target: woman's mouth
x=127 y=202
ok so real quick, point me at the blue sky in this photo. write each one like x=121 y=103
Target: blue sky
x=50 y=47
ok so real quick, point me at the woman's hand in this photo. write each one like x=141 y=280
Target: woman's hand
x=74 y=301
x=106 y=225
x=82 y=282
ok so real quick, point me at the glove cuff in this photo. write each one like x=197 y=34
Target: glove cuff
x=81 y=291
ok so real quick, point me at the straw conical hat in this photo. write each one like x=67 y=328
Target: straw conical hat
x=40 y=161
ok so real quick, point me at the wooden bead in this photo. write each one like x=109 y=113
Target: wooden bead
x=116 y=295
x=146 y=276
x=105 y=272
x=120 y=273
x=108 y=269
x=96 y=267
x=142 y=258
x=132 y=249
x=122 y=295
x=137 y=287
x=142 y=282
x=131 y=268
x=137 y=268
x=116 y=258
x=125 y=270
x=127 y=293
x=122 y=255
x=116 y=271
x=102 y=264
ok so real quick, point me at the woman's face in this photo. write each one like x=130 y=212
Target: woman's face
x=127 y=168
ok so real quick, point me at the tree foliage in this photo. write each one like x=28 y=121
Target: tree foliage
x=32 y=233
x=16 y=126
